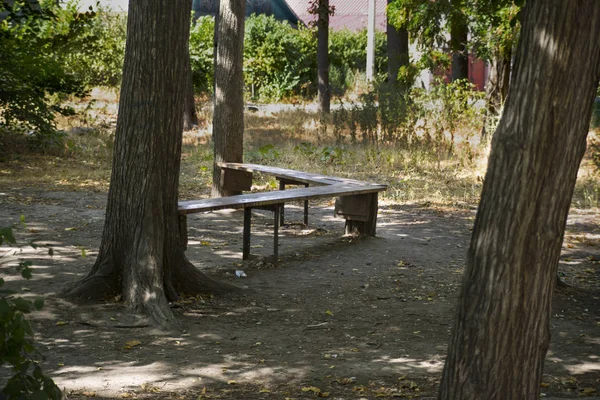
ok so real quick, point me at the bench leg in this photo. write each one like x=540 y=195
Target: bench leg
x=278 y=214
x=306 y=208
x=368 y=227
x=281 y=218
x=246 y=239
x=183 y=233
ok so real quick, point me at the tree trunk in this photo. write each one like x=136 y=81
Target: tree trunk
x=397 y=50
x=496 y=87
x=459 y=32
x=141 y=255
x=228 y=118
x=190 y=117
x=323 y=57
x=501 y=333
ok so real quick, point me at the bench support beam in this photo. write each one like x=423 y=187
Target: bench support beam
x=277 y=209
x=282 y=183
x=246 y=239
x=360 y=212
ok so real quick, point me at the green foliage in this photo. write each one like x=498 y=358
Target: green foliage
x=348 y=55
x=98 y=59
x=37 y=43
x=201 y=53
x=494 y=28
x=16 y=340
x=274 y=58
x=387 y=115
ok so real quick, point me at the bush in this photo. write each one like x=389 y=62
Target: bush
x=277 y=57
x=201 y=54
x=386 y=115
x=99 y=57
x=37 y=43
x=16 y=341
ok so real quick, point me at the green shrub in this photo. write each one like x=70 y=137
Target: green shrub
x=37 y=43
x=275 y=58
x=387 y=114
x=201 y=53
x=100 y=55
x=16 y=341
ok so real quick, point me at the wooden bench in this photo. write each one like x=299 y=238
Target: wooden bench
x=356 y=200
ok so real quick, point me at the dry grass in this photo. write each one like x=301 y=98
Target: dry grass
x=415 y=174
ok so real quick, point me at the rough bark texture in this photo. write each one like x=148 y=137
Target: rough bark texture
x=228 y=118
x=190 y=116
x=501 y=333
x=141 y=256
x=323 y=57
x=397 y=50
x=497 y=86
x=459 y=32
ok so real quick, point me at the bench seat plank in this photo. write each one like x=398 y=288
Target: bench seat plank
x=276 y=197
x=298 y=176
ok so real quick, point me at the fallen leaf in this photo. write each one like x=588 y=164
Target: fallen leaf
x=264 y=390
x=59 y=323
x=232 y=382
x=89 y=394
x=131 y=344
x=313 y=389
x=328 y=312
x=588 y=390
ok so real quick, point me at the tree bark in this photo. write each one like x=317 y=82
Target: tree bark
x=323 y=57
x=501 y=333
x=141 y=255
x=228 y=118
x=397 y=50
x=459 y=32
x=497 y=87
x=190 y=116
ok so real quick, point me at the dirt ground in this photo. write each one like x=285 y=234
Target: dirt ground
x=337 y=317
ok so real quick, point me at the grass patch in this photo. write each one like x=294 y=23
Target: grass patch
x=417 y=173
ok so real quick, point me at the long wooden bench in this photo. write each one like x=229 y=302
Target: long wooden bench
x=356 y=200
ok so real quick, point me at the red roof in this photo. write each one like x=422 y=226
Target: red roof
x=349 y=14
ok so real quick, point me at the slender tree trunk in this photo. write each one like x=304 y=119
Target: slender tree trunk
x=228 y=118
x=502 y=332
x=323 y=57
x=459 y=32
x=141 y=255
x=190 y=117
x=496 y=87
x=397 y=50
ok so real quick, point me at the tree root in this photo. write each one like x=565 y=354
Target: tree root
x=188 y=279
x=92 y=287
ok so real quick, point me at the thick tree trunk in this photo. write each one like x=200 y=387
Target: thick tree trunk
x=501 y=333
x=497 y=87
x=228 y=118
x=190 y=117
x=459 y=32
x=141 y=255
x=397 y=50
x=323 y=57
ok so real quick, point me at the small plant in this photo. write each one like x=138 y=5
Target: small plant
x=268 y=152
x=16 y=340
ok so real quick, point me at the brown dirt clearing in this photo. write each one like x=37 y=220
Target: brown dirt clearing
x=338 y=317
